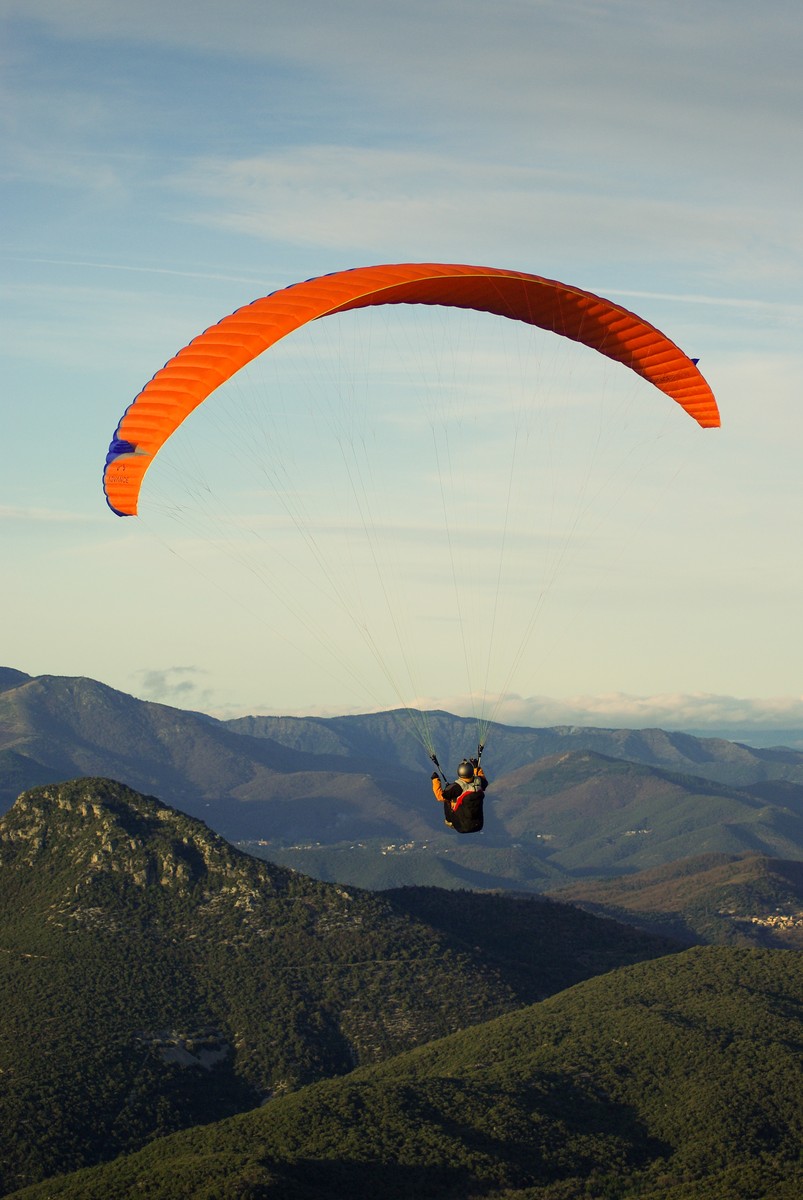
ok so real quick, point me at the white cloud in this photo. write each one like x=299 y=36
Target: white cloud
x=443 y=204
x=521 y=67
x=178 y=686
x=616 y=132
x=692 y=711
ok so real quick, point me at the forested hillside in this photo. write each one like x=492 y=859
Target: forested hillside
x=154 y=977
x=677 y=1079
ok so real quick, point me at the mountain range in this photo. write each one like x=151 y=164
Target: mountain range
x=348 y=798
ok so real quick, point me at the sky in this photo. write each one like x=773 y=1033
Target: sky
x=163 y=165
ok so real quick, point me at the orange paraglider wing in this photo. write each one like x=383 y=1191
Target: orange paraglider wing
x=214 y=356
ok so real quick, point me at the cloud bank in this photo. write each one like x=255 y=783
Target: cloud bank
x=696 y=711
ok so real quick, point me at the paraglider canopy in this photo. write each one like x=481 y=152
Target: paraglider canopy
x=404 y=513
x=214 y=356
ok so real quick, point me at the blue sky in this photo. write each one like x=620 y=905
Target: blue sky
x=162 y=165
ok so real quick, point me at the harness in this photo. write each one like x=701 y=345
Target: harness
x=465 y=812
x=472 y=786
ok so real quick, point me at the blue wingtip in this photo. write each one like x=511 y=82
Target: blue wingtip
x=117 y=448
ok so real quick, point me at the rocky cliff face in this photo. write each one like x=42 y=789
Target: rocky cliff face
x=95 y=826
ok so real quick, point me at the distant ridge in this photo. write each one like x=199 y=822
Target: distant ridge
x=390 y=735
x=349 y=798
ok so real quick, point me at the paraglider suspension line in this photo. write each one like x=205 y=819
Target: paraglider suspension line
x=434 y=759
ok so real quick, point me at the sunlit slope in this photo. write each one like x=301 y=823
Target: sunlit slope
x=744 y=900
x=670 y=1080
